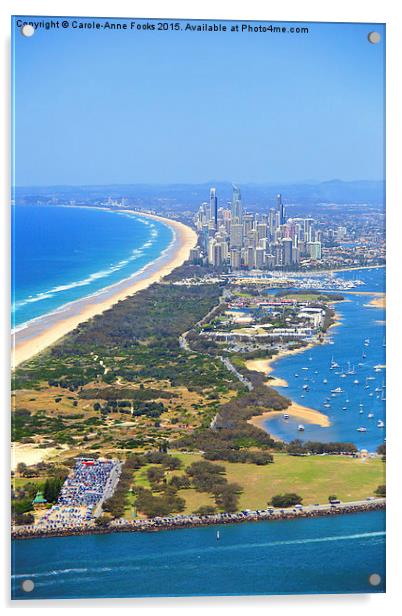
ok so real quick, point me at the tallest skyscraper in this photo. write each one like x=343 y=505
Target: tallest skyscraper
x=281 y=209
x=213 y=207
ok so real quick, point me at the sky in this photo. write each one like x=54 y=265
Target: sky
x=143 y=106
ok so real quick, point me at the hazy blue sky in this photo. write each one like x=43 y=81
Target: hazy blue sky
x=101 y=107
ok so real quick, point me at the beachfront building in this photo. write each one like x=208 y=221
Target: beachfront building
x=231 y=237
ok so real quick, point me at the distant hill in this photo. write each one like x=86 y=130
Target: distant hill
x=188 y=196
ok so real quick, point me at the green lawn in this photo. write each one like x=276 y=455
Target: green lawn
x=313 y=477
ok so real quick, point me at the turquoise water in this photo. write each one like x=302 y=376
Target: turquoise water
x=61 y=254
x=359 y=323
x=321 y=555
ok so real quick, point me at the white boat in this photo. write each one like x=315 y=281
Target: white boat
x=306 y=387
x=355 y=382
x=361 y=429
x=338 y=390
x=343 y=375
x=304 y=368
x=285 y=416
x=370 y=415
x=380 y=424
x=300 y=428
x=344 y=408
x=327 y=405
x=325 y=381
x=296 y=375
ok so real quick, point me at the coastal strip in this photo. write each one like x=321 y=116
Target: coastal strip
x=46 y=330
x=193 y=521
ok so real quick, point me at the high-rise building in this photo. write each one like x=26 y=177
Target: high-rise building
x=237 y=208
x=259 y=257
x=236 y=235
x=314 y=250
x=287 y=251
x=213 y=207
x=280 y=209
x=235 y=259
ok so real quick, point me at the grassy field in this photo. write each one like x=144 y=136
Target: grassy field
x=313 y=477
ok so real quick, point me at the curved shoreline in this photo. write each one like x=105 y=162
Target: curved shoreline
x=155 y=524
x=310 y=416
x=46 y=330
x=295 y=410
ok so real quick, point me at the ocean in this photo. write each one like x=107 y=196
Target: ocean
x=62 y=254
x=306 y=556
x=358 y=347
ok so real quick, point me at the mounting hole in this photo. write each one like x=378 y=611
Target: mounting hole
x=27 y=30
x=374 y=37
x=28 y=585
x=375 y=579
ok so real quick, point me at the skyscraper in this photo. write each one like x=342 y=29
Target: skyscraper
x=280 y=209
x=213 y=207
x=237 y=209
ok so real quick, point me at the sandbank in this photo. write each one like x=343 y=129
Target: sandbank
x=310 y=416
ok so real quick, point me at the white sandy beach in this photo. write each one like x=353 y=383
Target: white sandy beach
x=39 y=335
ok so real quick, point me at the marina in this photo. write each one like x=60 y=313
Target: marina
x=338 y=381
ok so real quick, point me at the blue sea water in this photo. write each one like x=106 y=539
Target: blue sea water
x=61 y=254
x=349 y=410
x=321 y=555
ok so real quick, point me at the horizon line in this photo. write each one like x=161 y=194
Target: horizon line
x=200 y=183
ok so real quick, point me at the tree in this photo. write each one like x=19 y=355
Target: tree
x=155 y=475
x=102 y=521
x=227 y=497
x=21 y=468
x=286 y=500
x=52 y=489
x=332 y=498
x=205 y=510
x=380 y=490
x=382 y=451
x=22 y=519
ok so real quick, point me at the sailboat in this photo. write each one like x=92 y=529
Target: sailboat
x=218 y=535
